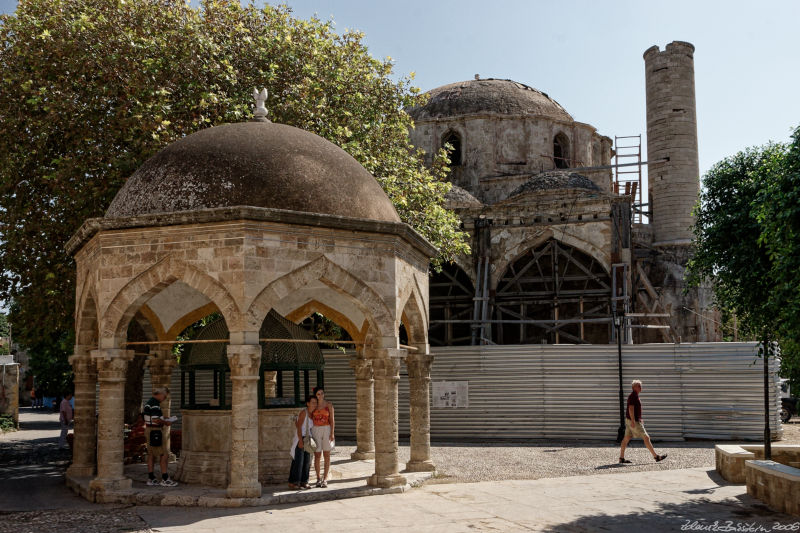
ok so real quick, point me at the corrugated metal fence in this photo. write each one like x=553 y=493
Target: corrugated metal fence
x=705 y=390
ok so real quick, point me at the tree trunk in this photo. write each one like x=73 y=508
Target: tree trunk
x=767 y=410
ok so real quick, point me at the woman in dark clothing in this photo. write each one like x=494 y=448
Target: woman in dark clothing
x=301 y=459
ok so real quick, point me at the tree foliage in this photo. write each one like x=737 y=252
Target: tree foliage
x=91 y=88
x=779 y=215
x=746 y=242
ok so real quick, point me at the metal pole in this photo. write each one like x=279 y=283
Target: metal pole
x=621 y=429
x=767 y=410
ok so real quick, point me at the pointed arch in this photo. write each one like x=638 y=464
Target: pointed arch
x=335 y=277
x=414 y=318
x=87 y=328
x=552 y=281
x=314 y=306
x=152 y=281
x=561 y=234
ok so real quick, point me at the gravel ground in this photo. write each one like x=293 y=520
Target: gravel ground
x=533 y=460
x=63 y=521
x=481 y=462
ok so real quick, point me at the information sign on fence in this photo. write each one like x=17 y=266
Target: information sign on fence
x=450 y=394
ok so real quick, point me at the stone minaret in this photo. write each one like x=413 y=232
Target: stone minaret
x=673 y=188
x=671 y=134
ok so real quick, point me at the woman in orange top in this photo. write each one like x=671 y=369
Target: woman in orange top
x=322 y=433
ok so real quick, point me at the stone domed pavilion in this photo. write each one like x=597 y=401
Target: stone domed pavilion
x=244 y=220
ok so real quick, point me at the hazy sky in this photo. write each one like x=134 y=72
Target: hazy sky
x=587 y=55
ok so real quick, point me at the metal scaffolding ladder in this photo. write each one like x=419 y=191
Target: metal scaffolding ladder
x=628 y=178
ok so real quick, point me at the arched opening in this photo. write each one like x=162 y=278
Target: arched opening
x=566 y=291
x=454 y=151
x=451 y=299
x=139 y=330
x=561 y=155
x=288 y=370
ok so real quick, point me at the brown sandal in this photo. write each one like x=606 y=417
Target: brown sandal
x=293 y=486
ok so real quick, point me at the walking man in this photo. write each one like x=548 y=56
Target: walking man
x=64 y=417
x=634 y=427
x=154 y=427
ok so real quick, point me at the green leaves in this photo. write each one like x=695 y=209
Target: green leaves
x=747 y=242
x=92 y=88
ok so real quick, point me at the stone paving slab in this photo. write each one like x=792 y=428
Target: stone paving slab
x=671 y=500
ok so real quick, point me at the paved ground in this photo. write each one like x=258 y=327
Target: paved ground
x=684 y=493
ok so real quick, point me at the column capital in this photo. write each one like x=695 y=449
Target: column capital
x=362 y=368
x=83 y=366
x=244 y=360
x=111 y=363
x=384 y=353
x=386 y=368
x=160 y=351
x=108 y=354
x=160 y=365
x=419 y=365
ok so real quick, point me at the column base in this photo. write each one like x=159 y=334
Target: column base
x=385 y=482
x=420 y=466
x=244 y=491
x=104 y=485
x=362 y=456
x=80 y=470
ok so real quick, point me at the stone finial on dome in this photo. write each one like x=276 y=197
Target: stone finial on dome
x=260 y=113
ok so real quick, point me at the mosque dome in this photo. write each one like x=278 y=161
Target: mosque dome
x=253 y=164
x=493 y=96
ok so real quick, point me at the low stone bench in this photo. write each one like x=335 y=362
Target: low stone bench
x=730 y=460
x=775 y=484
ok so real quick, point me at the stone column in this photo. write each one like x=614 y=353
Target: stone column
x=386 y=372
x=419 y=381
x=365 y=405
x=84 y=443
x=111 y=366
x=244 y=360
x=161 y=364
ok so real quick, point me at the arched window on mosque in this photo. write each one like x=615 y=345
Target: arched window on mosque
x=454 y=151
x=561 y=151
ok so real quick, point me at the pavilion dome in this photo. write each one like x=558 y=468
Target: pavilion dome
x=488 y=96
x=253 y=164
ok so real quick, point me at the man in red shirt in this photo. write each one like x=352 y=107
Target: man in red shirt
x=634 y=427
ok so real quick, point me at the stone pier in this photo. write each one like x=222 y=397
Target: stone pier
x=419 y=381
x=84 y=443
x=386 y=372
x=111 y=366
x=365 y=422
x=244 y=360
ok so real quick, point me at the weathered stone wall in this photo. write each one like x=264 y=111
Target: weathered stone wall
x=581 y=221
x=9 y=391
x=499 y=153
x=232 y=264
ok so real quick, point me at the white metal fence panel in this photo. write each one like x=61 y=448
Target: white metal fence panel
x=704 y=390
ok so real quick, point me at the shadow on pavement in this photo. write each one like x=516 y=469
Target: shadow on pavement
x=692 y=516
